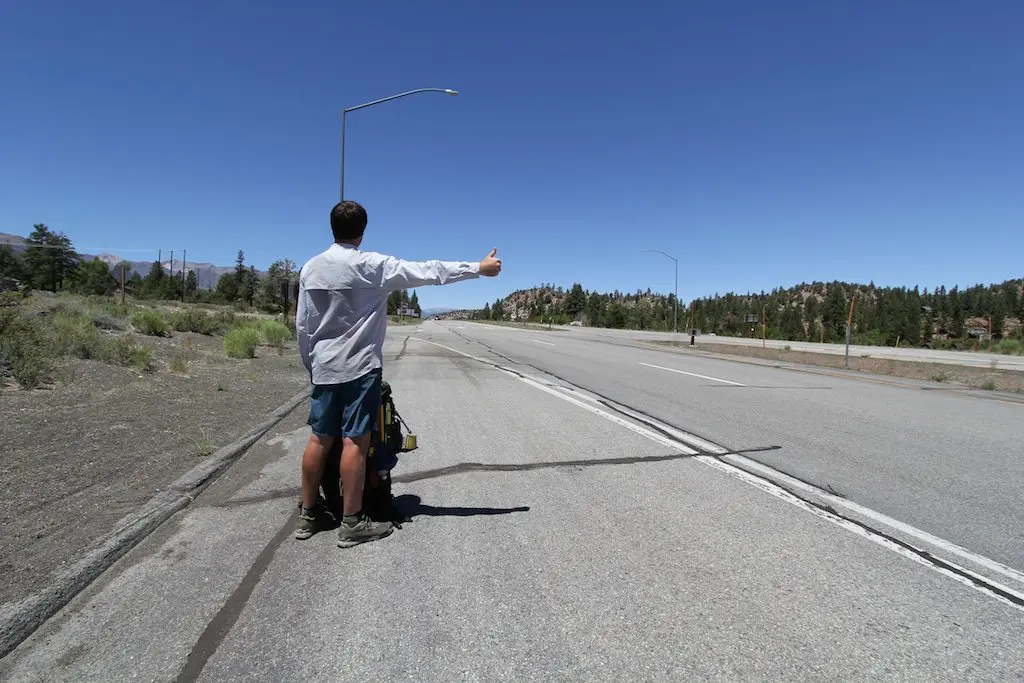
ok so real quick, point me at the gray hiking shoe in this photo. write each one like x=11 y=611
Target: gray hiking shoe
x=363 y=531
x=320 y=520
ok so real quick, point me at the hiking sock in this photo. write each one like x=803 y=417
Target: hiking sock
x=352 y=520
x=308 y=512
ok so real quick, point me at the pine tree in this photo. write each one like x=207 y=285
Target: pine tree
x=240 y=270
x=49 y=258
x=11 y=265
x=94 y=277
x=227 y=288
x=153 y=283
x=191 y=284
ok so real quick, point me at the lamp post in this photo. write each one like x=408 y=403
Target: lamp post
x=344 y=114
x=675 y=311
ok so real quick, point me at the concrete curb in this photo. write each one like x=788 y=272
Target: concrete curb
x=20 y=620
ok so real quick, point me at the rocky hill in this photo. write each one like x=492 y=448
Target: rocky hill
x=815 y=311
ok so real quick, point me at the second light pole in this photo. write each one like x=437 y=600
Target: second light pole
x=344 y=113
x=675 y=310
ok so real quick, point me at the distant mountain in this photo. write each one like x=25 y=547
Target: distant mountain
x=206 y=273
x=16 y=241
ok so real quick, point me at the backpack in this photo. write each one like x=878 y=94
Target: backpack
x=387 y=441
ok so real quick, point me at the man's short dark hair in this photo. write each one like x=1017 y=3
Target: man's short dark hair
x=348 y=221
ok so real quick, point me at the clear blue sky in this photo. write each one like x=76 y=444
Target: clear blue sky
x=763 y=143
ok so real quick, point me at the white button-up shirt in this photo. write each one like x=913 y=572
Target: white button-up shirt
x=341 y=315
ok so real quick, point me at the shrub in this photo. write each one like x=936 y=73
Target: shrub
x=204 y=445
x=152 y=323
x=192 y=320
x=185 y=353
x=241 y=342
x=275 y=334
x=75 y=335
x=23 y=348
x=1008 y=347
x=225 y=319
x=118 y=310
x=124 y=351
x=178 y=363
x=105 y=321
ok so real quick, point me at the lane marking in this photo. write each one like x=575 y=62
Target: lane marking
x=538 y=341
x=835 y=501
x=811 y=370
x=694 y=374
x=958 y=573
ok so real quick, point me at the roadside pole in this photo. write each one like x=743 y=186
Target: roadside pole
x=849 y=328
x=693 y=334
x=764 y=328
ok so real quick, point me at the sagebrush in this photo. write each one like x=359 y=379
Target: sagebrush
x=152 y=323
x=241 y=342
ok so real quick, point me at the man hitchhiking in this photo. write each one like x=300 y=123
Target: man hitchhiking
x=340 y=324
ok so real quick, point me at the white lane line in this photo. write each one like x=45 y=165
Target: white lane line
x=694 y=374
x=768 y=486
x=538 y=341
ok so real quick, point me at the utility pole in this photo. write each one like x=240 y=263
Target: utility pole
x=184 y=253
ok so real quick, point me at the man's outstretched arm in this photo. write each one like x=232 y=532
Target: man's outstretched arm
x=400 y=274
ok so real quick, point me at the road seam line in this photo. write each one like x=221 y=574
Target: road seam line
x=962 y=575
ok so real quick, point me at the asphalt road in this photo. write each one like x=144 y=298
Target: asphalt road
x=967 y=358
x=575 y=518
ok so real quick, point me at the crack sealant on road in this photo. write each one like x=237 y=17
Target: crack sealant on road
x=781 y=485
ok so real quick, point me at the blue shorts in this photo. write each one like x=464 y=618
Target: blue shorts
x=346 y=409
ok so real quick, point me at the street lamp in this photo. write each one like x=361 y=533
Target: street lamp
x=675 y=312
x=344 y=113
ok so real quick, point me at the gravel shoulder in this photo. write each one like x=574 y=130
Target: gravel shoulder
x=102 y=440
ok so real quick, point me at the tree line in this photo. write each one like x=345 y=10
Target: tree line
x=50 y=262
x=807 y=312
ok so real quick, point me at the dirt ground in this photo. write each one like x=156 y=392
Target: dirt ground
x=957 y=375
x=77 y=457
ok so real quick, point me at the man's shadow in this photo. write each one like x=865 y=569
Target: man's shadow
x=410 y=506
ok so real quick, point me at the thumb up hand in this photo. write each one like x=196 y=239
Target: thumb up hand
x=491 y=265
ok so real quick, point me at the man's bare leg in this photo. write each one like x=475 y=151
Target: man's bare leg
x=314 y=458
x=353 y=472
x=313 y=517
x=356 y=527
